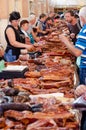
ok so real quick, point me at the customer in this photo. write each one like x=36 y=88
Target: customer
x=73 y=24
x=80 y=50
x=80 y=46
x=13 y=38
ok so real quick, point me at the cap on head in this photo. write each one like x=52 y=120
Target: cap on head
x=14 y=16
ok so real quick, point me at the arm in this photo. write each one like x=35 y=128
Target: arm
x=39 y=27
x=1 y=51
x=77 y=52
x=11 y=36
x=37 y=39
x=41 y=31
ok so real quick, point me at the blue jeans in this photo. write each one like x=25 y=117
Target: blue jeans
x=82 y=75
x=83 y=121
x=9 y=57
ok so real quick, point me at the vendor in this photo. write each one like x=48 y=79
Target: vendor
x=14 y=39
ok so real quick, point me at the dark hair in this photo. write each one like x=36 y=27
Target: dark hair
x=42 y=16
x=34 y=29
x=72 y=13
x=32 y=13
x=23 y=22
x=57 y=16
x=48 y=18
x=14 y=16
x=76 y=15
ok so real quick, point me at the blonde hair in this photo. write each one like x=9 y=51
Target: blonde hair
x=32 y=17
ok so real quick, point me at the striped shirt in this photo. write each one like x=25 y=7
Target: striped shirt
x=81 y=44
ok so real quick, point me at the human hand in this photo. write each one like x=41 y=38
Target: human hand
x=63 y=38
x=80 y=90
x=72 y=35
x=1 y=51
x=37 y=39
x=27 y=41
x=48 y=30
x=30 y=48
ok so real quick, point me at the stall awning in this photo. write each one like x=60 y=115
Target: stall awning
x=67 y=3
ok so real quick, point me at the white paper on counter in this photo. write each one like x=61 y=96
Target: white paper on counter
x=15 y=68
x=48 y=95
x=58 y=96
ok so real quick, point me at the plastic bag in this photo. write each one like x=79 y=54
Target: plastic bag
x=80 y=103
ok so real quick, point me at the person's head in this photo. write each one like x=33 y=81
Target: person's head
x=57 y=16
x=69 y=16
x=32 y=18
x=49 y=21
x=82 y=15
x=14 y=18
x=42 y=17
x=24 y=24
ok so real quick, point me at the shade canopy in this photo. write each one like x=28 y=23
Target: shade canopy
x=67 y=3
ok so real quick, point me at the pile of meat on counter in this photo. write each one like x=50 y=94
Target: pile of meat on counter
x=31 y=103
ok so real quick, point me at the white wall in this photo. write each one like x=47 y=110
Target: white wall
x=3 y=24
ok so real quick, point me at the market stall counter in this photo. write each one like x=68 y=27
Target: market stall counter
x=49 y=82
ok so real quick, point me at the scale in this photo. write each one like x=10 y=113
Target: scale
x=13 y=71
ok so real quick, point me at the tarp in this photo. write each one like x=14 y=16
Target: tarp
x=67 y=3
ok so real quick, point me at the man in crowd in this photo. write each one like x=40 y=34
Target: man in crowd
x=73 y=24
x=41 y=25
